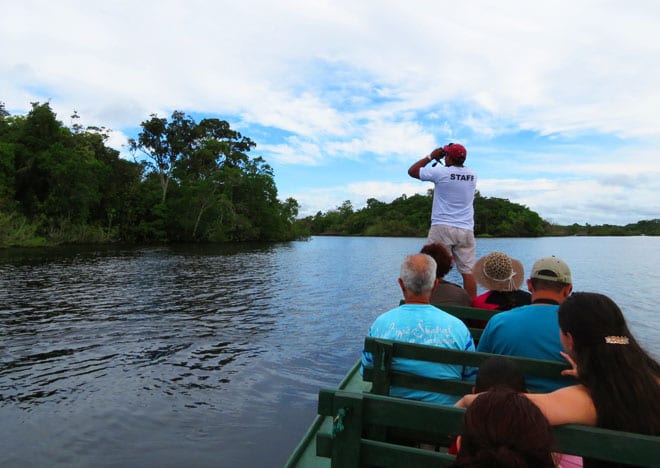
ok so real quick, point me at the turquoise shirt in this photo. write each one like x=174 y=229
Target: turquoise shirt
x=528 y=331
x=428 y=325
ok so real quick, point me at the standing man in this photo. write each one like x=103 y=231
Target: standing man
x=533 y=330
x=417 y=321
x=452 y=217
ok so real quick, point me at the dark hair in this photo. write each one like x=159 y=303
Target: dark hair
x=622 y=378
x=502 y=428
x=539 y=283
x=497 y=372
x=441 y=256
x=507 y=300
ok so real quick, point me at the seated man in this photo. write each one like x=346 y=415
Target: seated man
x=532 y=330
x=417 y=321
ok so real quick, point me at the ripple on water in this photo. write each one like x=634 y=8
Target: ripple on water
x=167 y=355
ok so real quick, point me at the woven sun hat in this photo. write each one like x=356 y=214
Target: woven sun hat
x=499 y=272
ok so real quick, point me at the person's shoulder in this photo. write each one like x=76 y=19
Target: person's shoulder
x=466 y=169
x=524 y=313
x=578 y=394
x=521 y=309
x=452 y=320
x=390 y=313
x=431 y=170
x=503 y=316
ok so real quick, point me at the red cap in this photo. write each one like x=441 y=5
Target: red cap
x=456 y=152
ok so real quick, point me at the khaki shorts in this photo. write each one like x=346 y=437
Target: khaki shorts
x=459 y=242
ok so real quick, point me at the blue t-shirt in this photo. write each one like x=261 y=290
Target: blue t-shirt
x=423 y=324
x=528 y=331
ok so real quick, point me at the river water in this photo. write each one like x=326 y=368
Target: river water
x=207 y=356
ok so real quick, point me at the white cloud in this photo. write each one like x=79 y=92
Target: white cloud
x=118 y=141
x=358 y=82
x=328 y=198
x=294 y=151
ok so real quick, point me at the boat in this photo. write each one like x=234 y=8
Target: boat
x=356 y=420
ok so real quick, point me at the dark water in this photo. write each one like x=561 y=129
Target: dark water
x=213 y=356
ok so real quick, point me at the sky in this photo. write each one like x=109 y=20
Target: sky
x=557 y=103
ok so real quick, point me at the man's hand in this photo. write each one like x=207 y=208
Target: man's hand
x=438 y=154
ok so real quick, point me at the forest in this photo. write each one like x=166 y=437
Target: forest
x=194 y=181
x=410 y=216
x=493 y=217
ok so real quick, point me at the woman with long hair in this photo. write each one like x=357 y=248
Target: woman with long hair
x=618 y=382
x=620 y=379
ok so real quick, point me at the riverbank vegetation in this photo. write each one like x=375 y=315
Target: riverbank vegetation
x=194 y=182
x=493 y=217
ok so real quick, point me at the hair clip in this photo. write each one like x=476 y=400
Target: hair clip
x=617 y=340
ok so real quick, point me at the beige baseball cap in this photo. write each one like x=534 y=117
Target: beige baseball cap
x=552 y=269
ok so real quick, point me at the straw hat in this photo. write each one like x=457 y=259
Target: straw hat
x=499 y=272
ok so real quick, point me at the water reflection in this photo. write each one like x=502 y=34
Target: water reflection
x=175 y=319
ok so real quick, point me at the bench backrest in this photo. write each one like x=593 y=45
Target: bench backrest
x=383 y=376
x=467 y=315
x=464 y=313
x=348 y=444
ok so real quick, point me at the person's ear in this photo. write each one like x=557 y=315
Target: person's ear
x=403 y=288
x=567 y=290
x=567 y=341
x=530 y=287
x=435 y=284
x=458 y=443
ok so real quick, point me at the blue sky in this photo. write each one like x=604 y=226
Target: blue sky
x=557 y=103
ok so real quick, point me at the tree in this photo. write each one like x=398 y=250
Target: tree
x=38 y=142
x=3 y=111
x=209 y=173
x=165 y=143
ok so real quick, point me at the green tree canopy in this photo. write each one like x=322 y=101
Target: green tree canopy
x=410 y=216
x=195 y=182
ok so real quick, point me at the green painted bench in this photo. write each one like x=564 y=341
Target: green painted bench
x=383 y=376
x=347 y=444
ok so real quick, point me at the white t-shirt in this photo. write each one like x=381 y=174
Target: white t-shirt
x=453 y=196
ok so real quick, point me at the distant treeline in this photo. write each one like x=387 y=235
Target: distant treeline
x=493 y=217
x=194 y=183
